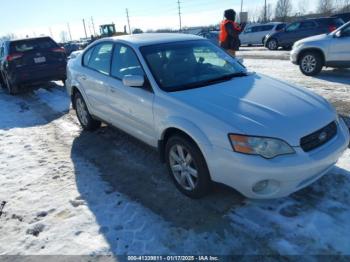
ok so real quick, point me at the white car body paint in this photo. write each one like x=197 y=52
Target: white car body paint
x=254 y=105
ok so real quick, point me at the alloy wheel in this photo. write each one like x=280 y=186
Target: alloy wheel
x=82 y=112
x=308 y=64
x=183 y=167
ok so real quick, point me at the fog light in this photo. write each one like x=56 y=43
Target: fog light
x=261 y=186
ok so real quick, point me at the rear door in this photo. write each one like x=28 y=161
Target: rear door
x=339 y=51
x=262 y=32
x=94 y=77
x=246 y=35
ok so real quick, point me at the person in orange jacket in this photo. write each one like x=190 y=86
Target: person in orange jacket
x=229 y=33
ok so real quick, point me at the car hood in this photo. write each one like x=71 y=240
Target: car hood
x=261 y=106
x=313 y=39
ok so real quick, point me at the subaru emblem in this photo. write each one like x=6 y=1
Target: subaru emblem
x=323 y=136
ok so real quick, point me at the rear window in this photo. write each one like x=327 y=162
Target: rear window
x=32 y=45
x=331 y=22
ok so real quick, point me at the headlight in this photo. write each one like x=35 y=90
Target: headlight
x=297 y=45
x=263 y=146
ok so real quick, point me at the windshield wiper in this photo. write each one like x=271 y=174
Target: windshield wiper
x=222 y=78
x=212 y=81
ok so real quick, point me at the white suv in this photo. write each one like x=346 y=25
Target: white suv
x=210 y=120
x=330 y=50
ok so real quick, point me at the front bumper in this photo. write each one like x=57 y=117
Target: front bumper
x=286 y=174
x=294 y=54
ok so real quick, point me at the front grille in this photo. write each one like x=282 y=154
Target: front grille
x=319 y=138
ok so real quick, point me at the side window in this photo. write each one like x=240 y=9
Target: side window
x=307 y=25
x=346 y=31
x=125 y=62
x=101 y=58
x=87 y=56
x=266 y=28
x=293 y=27
x=280 y=27
x=248 y=30
x=256 y=29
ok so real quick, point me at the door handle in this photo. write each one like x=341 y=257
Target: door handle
x=83 y=77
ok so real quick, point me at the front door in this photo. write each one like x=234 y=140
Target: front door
x=339 y=51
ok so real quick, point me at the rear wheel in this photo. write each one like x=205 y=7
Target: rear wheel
x=12 y=89
x=311 y=63
x=272 y=44
x=84 y=117
x=187 y=167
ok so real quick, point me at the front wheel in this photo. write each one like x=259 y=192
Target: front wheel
x=311 y=63
x=272 y=44
x=84 y=117
x=187 y=167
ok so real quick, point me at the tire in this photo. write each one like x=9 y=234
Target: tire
x=311 y=63
x=12 y=89
x=272 y=44
x=187 y=166
x=84 y=117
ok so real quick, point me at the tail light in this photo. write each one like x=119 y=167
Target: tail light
x=13 y=57
x=59 y=50
x=332 y=28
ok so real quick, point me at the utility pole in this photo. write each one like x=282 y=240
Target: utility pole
x=265 y=12
x=179 y=7
x=128 y=18
x=50 y=30
x=70 y=33
x=241 y=6
x=93 y=25
x=85 y=28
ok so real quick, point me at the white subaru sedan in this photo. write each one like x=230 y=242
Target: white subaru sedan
x=210 y=119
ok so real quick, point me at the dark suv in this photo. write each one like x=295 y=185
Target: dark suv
x=302 y=29
x=30 y=61
x=344 y=16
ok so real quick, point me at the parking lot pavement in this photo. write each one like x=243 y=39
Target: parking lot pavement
x=257 y=52
x=71 y=192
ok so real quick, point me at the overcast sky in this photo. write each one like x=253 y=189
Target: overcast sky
x=36 y=17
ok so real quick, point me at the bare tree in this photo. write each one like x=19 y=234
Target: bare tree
x=344 y=5
x=269 y=13
x=283 y=9
x=325 y=7
x=302 y=7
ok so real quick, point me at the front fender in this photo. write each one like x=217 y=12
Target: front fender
x=187 y=126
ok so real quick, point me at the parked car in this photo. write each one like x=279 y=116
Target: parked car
x=70 y=48
x=302 y=29
x=330 y=50
x=210 y=119
x=344 y=16
x=256 y=34
x=29 y=61
x=213 y=36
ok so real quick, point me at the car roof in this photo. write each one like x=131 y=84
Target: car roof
x=153 y=38
x=30 y=39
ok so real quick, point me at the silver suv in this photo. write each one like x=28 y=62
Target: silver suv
x=330 y=50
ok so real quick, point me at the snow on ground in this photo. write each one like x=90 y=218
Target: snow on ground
x=70 y=192
x=263 y=53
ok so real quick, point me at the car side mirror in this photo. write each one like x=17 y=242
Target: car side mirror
x=134 y=80
x=338 y=34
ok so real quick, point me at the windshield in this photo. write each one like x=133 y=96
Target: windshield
x=190 y=64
